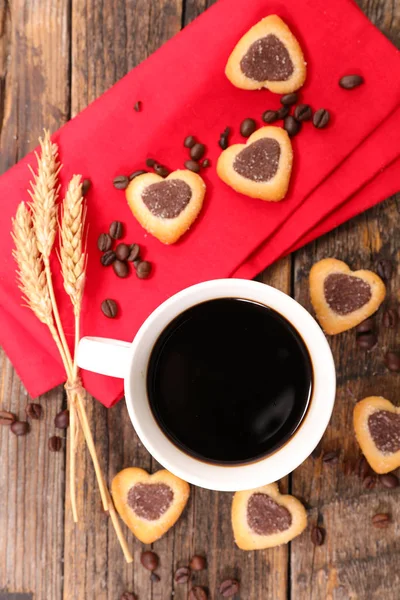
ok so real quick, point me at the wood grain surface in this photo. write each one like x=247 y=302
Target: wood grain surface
x=56 y=56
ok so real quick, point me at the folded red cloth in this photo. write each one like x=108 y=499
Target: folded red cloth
x=352 y=188
x=183 y=90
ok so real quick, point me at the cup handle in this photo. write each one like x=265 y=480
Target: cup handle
x=104 y=356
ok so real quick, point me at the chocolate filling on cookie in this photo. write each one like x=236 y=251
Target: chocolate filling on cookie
x=384 y=427
x=150 y=500
x=266 y=517
x=259 y=161
x=167 y=199
x=267 y=59
x=345 y=293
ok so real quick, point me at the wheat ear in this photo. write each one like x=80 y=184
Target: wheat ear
x=31 y=275
x=44 y=195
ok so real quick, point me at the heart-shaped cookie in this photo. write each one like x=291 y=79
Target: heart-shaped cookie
x=260 y=168
x=377 y=427
x=166 y=208
x=149 y=504
x=263 y=518
x=343 y=298
x=267 y=56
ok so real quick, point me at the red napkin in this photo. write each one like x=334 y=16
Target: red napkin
x=370 y=174
x=183 y=90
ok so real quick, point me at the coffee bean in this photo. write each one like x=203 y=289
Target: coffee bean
x=270 y=116
x=349 y=82
x=321 y=118
x=138 y=106
x=61 y=420
x=247 y=127
x=121 y=182
x=366 y=326
x=121 y=269
x=283 y=112
x=19 y=428
x=389 y=480
x=198 y=563
x=369 y=482
x=362 y=468
x=331 y=457
x=303 y=112
x=206 y=163
x=128 y=596
x=385 y=269
x=381 y=520
x=198 y=593
x=108 y=258
x=390 y=318
x=122 y=251
x=104 y=242
x=229 y=588
x=34 y=411
x=86 y=184
x=291 y=125
x=289 y=99
x=317 y=535
x=149 y=560
x=161 y=170
x=189 y=141
x=192 y=165
x=116 y=230
x=7 y=418
x=197 y=152
x=348 y=467
x=136 y=174
x=182 y=575
x=150 y=162
x=392 y=361
x=143 y=269
x=154 y=578
x=134 y=251
x=366 y=341
x=109 y=308
x=223 y=138
x=55 y=443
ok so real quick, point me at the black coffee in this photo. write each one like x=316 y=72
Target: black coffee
x=229 y=380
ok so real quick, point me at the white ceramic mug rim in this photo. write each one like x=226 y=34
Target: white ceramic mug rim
x=265 y=470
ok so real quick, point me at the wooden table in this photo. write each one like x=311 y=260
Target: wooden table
x=56 y=56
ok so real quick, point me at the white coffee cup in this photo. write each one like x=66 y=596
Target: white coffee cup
x=129 y=362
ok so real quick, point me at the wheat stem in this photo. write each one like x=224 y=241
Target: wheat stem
x=72 y=460
x=92 y=449
x=57 y=318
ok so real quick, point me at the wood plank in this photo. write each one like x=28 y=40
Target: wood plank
x=33 y=94
x=357 y=561
x=108 y=39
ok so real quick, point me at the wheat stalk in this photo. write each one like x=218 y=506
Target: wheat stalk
x=72 y=258
x=44 y=195
x=31 y=276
